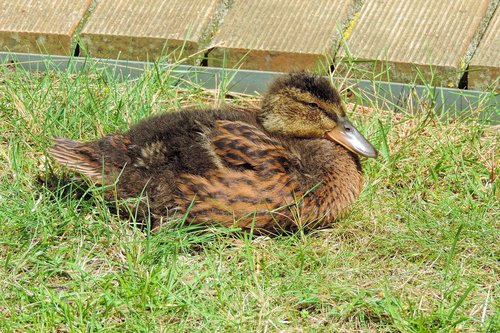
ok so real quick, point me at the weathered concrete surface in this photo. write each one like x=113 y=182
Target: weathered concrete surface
x=146 y=29
x=401 y=38
x=40 y=26
x=279 y=35
x=484 y=69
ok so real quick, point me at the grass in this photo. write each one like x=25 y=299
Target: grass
x=418 y=253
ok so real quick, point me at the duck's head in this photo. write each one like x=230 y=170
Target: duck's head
x=303 y=105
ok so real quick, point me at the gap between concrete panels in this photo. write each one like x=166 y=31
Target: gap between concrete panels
x=385 y=95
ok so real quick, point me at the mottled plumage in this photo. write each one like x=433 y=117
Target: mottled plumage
x=271 y=168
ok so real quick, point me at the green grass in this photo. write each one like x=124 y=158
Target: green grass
x=418 y=253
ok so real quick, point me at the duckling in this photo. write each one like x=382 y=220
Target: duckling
x=292 y=162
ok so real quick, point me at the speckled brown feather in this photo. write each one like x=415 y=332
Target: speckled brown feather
x=252 y=182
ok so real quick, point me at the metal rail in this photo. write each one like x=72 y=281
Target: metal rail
x=388 y=95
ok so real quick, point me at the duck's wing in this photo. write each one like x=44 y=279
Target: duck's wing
x=99 y=160
x=244 y=146
x=253 y=178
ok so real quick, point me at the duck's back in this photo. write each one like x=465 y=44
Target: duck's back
x=178 y=140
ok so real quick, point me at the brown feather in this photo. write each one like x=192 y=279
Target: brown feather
x=71 y=154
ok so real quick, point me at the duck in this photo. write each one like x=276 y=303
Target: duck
x=292 y=162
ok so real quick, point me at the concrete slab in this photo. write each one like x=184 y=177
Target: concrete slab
x=146 y=29
x=401 y=39
x=279 y=35
x=484 y=69
x=40 y=26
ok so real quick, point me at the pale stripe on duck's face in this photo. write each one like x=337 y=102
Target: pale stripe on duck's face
x=297 y=113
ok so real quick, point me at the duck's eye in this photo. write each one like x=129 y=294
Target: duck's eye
x=313 y=105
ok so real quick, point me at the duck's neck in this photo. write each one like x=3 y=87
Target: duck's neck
x=329 y=176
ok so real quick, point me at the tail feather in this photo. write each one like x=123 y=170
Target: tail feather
x=77 y=156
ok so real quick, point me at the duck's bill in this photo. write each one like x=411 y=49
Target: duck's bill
x=348 y=136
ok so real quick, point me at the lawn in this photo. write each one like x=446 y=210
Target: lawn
x=418 y=253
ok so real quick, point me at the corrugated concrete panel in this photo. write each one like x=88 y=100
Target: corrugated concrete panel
x=433 y=37
x=146 y=29
x=279 y=35
x=40 y=26
x=484 y=69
